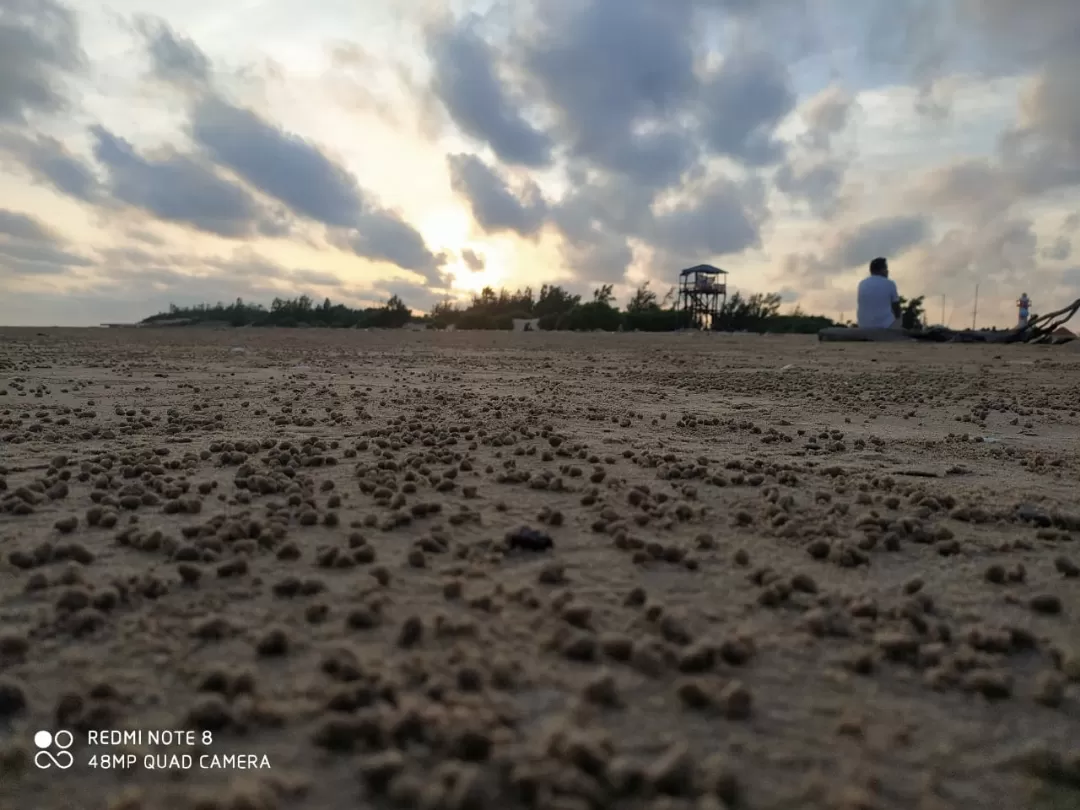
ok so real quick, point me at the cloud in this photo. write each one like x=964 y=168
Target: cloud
x=1070 y=279
x=283 y=166
x=297 y=173
x=826 y=115
x=601 y=257
x=22 y=226
x=28 y=247
x=744 y=102
x=724 y=218
x=174 y=59
x=130 y=284
x=1059 y=250
x=1051 y=107
x=1000 y=253
x=494 y=206
x=182 y=189
x=971 y=181
x=597 y=221
x=613 y=75
x=383 y=235
x=817 y=183
x=47 y=161
x=39 y=47
x=886 y=236
x=473 y=260
x=466 y=82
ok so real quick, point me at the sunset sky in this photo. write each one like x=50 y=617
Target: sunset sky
x=155 y=153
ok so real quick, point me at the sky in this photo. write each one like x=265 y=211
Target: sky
x=157 y=153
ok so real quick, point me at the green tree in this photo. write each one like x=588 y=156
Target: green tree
x=643 y=300
x=912 y=315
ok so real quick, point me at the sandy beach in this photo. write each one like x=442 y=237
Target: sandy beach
x=487 y=571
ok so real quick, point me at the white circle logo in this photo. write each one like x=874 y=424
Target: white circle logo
x=45 y=758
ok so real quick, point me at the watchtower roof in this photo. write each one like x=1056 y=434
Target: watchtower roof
x=705 y=269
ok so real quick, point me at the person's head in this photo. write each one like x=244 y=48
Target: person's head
x=879 y=267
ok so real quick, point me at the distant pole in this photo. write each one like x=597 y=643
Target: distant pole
x=943 y=310
x=975 y=309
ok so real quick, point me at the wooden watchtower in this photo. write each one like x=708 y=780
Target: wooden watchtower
x=702 y=295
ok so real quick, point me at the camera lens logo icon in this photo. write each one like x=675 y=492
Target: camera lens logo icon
x=62 y=740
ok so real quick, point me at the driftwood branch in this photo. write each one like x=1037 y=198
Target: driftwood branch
x=1038 y=329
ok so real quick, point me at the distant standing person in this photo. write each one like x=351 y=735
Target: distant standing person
x=879 y=300
x=1024 y=305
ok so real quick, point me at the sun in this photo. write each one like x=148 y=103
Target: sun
x=445 y=227
x=449 y=228
x=473 y=281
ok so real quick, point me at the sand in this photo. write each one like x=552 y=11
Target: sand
x=464 y=571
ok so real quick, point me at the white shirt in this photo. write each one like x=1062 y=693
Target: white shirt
x=876 y=297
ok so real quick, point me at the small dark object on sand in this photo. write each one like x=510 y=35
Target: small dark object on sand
x=528 y=539
x=1033 y=514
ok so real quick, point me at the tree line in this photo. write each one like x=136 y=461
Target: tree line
x=292 y=312
x=554 y=308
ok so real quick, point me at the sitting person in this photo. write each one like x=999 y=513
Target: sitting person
x=879 y=300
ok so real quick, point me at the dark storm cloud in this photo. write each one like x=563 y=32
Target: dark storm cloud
x=182 y=189
x=28 y=247
x=173 y=58
x=743 y=104
x=467 y=84
x=494 y=206
x=49 y=162
x=887 y=236
x=39 y=45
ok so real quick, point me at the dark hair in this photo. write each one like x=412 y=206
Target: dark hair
x=878 y=266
